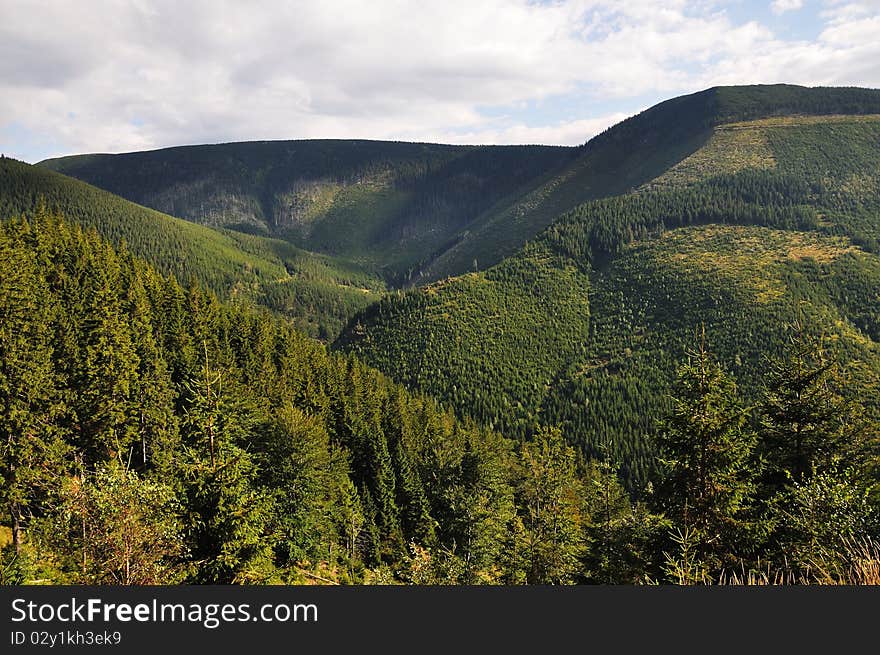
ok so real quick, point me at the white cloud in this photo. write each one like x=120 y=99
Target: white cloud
x=781 y=6
x=511 y=133
x=110 y=75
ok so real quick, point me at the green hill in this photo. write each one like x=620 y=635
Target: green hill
x=210 y=442
x=769 y=223
x=156 y=432
x=318 y=292
x=632 y=153
x=421 y=212
x=386 y=203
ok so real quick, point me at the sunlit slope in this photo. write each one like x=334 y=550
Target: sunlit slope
x=670 y=135
x=747 y=286
x=536 y=340
x=746 y=241
x=391 y=204
x=318 y=292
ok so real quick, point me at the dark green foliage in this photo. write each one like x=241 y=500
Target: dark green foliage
x=32 y=442
x=239 y=450
x=584 y=326
x=623 y=538
x=391 y=203
x=318 y=292
x=705 y=452
x=494 y=349
x=807 y=425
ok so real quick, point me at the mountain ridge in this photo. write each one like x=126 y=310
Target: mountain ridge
x=420 y=211
x=635 y=304
x=316 y=291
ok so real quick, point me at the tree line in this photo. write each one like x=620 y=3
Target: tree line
x=153 y=434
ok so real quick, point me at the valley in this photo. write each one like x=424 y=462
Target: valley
x=385 y=362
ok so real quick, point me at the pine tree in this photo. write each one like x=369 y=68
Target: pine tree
x=108 y=367
x=157 y=431
x=229 y=511
x=806 y=424
x=32 y=449
x=622 y=536
x=550 y=500
x=706 y=451
x=415 y=512
x=306 y=474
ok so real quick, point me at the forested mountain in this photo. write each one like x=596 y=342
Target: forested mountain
x=152 y=434
x=668 y=370
x=632 y=153
x=318 y=292
x=229 y=447
x=390 y=204
x=773 y=222
x=421 y=212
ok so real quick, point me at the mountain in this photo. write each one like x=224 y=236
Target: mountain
x=632 y=153
x=317 y=291
x=668 y=370
x=152 y=433
x=769 y=223
x=421 y=212
x=388 y=204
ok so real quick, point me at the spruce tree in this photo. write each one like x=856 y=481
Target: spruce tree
x=32 y=448
x=550 y=498
x=229 y=511
x=806 y=424
x=706 y=451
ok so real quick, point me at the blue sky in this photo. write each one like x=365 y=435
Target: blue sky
x=116 y=76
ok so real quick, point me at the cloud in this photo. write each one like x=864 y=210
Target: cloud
x=512 y=133
x=110 y=75
x=781 y=6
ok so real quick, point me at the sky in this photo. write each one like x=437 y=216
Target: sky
x=120 y=76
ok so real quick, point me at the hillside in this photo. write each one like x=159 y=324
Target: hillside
x=633 y=153
x=318 y=292
x=667 y=370
x=771 y=222
x=421 y=212
x=385 y=203
x=153 y=434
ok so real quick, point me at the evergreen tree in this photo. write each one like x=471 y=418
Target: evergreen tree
x=107 y=370
x=706 y=456
x=32 y=448
x=309 y=479
x=549 y=541
x=229 y=512
x=416 y=520
x=622 y=536
x=806 y=424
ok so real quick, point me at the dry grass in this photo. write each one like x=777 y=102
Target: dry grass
x=857 y=565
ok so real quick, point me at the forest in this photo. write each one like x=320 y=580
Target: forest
x=651 y=359
x=585 y=325
x=153 y=434
x=317 y=292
